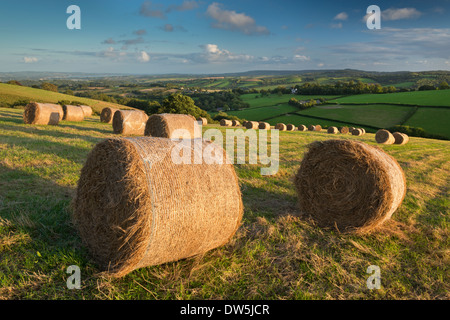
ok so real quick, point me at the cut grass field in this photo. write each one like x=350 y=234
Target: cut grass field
x=432 y=120
x=275 y=254
x=12 y=93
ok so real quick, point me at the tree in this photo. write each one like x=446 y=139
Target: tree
x=444 y=85
x=14 y=82
x=181 y=104
x=49 y=87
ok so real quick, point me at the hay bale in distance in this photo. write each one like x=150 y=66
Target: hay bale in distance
x=350 y=130
x=302 y=127
x=226 y=123
x=281 y=126
x=332 y=130
x=264 y=126
x=343 y=130
x=202 y=121
x=357 y=132
x=133 y=213
x=318 y=128
x=165 y=126
x=107 y=114
x=349 y=185
x=252 y=125
x=235 y=123
x=42 y=113
x=312 y=127
x=290 y=127
x=87 y=111
x=400 y=138
x=73 y=113
x=383 y=136
x=129 y=122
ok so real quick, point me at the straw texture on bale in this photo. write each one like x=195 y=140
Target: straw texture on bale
x=318 y=128
x=400 y=138
x=73 y=113
x=134 y=207
x=357 y=132
x=302 y=127
x=235 y=123
x=349 y=185
x=383 y=136
x=42 y=113
x=166 y=125
x=264 y=126
x=290 y=127
x=87 y=111
x=252 y=125
x=333 y=130
x=226 y=123
x=202 y=121
x=343 y=130
x=281 y=126
x=129 y=122
x=107 y=114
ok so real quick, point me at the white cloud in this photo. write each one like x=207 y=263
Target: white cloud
x=148 y=9
x=298 y=57
x=30 y=59
x=231 y=20
x=399 y=14
x=143 y=57
x=212 y=53
x=185 y=6
x=341 y=16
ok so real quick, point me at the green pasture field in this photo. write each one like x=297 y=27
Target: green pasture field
x=432 y=120
x=261 y=113
x=275 y=254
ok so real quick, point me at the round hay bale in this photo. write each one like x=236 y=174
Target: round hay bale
x=332 y=130
x=302 y=127
x=165 y=126
x=312 y=127
x=264 y=126
x=290 y=127
x=363 y=130
x=107 y=114
x=129 y=122
x=135 y=207
x=73 y=113
x=87 y=111
x=226 y=123
x=349 y=185
x=202 y=121
x=281 y=126
x=343 y=130
x=251 y=125
x=42 y=113
x=400 y=138
x=383 y=136
x=318 y=128
x=235 y=123
x=357 y=132
x=350 y=130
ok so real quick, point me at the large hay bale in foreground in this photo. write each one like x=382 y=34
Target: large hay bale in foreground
x=290 y=127
x=226 y=123
x=332 y=130
x=129 y=122
x=252 y=125
x=107 y=114
x=281 y=126
x=302 y=127
x=349 y=185
x=87 y=110
x=264 y=126
x=383 y=136
x=343 y=130
x=166 y=125
x=42 y=113
x=73 y=113
x=134 y=207
x=400 y=138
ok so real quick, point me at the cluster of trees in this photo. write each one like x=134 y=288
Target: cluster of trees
x=442 y=86
x=181 y=104
x=224 y=100
x=305 y=104
x=342 y=88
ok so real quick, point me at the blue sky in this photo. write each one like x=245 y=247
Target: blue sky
x=190 y=36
